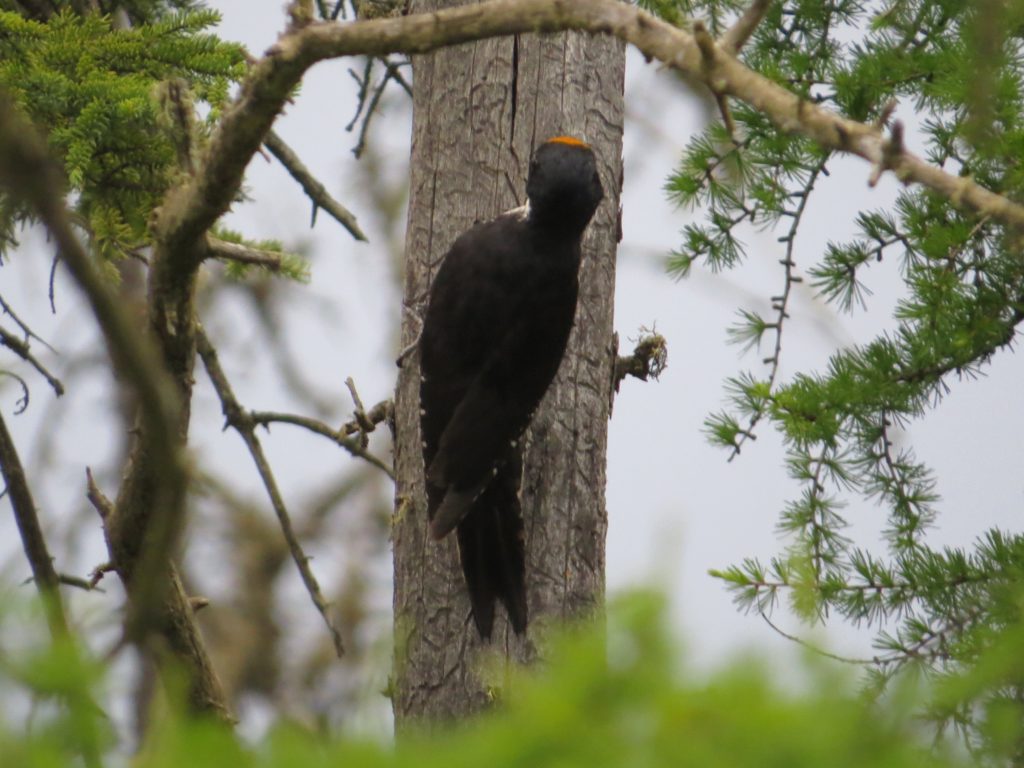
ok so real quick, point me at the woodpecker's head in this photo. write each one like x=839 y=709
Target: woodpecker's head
x=563 y=186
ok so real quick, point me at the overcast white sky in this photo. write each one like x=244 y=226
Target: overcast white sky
x=676 y=507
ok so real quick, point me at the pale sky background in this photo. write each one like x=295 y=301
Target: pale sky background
x=676 y=507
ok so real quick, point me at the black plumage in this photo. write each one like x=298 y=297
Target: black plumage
x=497 y=323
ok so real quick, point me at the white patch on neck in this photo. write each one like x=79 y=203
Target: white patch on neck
x=522 y=213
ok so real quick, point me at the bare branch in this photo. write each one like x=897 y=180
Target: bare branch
x=99 y=501
x=21 y=349
x=780 y=302
x=815 y=649
x=32 y=540
x=340 y=437
x=736 y=36
x=311 y=185
x=383 y=411
x=25 y=329
x=892 y=152
x=223 y=249
x=77 y=581
x=369 y=101
x=395 y=73
x=363 y=425
x=69 y=580
x=22 y=403
x=97 y=573
x=244 y=423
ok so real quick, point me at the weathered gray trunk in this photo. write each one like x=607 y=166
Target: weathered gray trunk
x=479 y=111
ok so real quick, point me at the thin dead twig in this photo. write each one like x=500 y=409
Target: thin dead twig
x=736 y=36
x=32 y=540
x=338 y=436
x=370 y=98
x=365 y=422
x=243 y=254
x=96 y=497
x=25 y=329
x=311 y=185
x=244 y=423
x=21 y=348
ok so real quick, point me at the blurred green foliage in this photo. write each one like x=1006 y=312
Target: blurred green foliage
x=604 y=698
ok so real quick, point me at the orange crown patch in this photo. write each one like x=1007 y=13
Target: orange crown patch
x=568 y=141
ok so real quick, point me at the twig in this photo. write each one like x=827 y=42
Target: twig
x=244 y=423
x=372 y=100
x=78 y=581
x=71 y=581
x=364 y=89
x=368 y=420
x=32 y=540
x=363 y=424
x=99 y=501
x=416 y=319
x=780 y=303
x=892 y=152
x=97 y=573
x=396 y=74
x=708 y=55
x=52 y=285
x=243 y=254
x=22 y=402
x=819 y=651
x=21 y=349
x=198 y=602
x=311 y=185
x=883 y=117
x=339 y=437
x=25 y=329
x=736 y=36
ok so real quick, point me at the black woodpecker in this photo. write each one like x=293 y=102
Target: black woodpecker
x=497 y=323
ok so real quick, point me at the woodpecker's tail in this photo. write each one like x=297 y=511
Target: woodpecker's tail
x=492 y=552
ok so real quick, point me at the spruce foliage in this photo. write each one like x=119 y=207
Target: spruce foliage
x=94 y=87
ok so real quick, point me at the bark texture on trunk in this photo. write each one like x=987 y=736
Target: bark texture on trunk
x=479 y=111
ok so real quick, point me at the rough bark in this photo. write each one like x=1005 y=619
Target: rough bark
x=479 y=111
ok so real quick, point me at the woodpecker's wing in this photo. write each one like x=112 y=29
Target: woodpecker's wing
x=496 y=409
x=492 y=552
x=474 y=297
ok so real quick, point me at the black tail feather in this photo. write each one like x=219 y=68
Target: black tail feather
x=492 y=552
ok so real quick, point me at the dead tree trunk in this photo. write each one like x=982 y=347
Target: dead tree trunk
x=479 y=111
